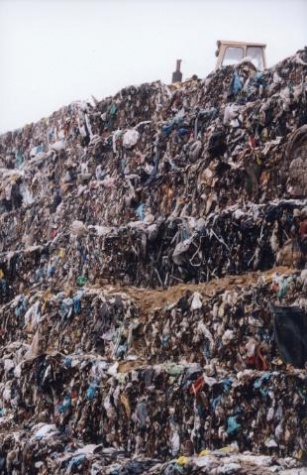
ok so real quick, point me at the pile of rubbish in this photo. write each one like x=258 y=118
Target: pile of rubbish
x=153 y=280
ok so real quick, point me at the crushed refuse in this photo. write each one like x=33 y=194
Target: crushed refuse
x=153 y=280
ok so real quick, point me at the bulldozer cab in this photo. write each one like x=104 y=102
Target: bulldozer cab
x=233 y=52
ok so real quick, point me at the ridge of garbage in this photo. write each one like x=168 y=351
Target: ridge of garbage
x=153 y=280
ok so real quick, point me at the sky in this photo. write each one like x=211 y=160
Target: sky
x=53 y=52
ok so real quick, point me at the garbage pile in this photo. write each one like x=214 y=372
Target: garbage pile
x=165 y=252
x=153 y=280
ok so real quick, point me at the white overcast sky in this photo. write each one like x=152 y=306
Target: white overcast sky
x=53 y=52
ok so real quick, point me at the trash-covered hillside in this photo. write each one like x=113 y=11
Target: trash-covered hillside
x=153 y=280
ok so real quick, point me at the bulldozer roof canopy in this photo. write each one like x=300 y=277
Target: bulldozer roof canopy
x=239 y=43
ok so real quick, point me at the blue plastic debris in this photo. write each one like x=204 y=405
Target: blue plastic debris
x=77 y=303
x=227 y=383
x=216 y=402
x=121 y=350
x=232 y=425
x=260 y=381
x=67 y=362
x=65 y=404
x=140 y=210
x=76 y=461
x=91 y=391
x=236 y=84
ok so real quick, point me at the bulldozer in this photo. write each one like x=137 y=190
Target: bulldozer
x=233 y=52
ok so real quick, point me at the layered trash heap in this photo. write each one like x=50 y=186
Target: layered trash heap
x=153 y=280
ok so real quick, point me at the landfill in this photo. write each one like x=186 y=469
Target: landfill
x=153 y=280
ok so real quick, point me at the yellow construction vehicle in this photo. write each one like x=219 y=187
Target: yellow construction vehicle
x=233 y=52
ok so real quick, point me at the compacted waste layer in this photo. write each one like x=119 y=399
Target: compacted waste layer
x=153 y=280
